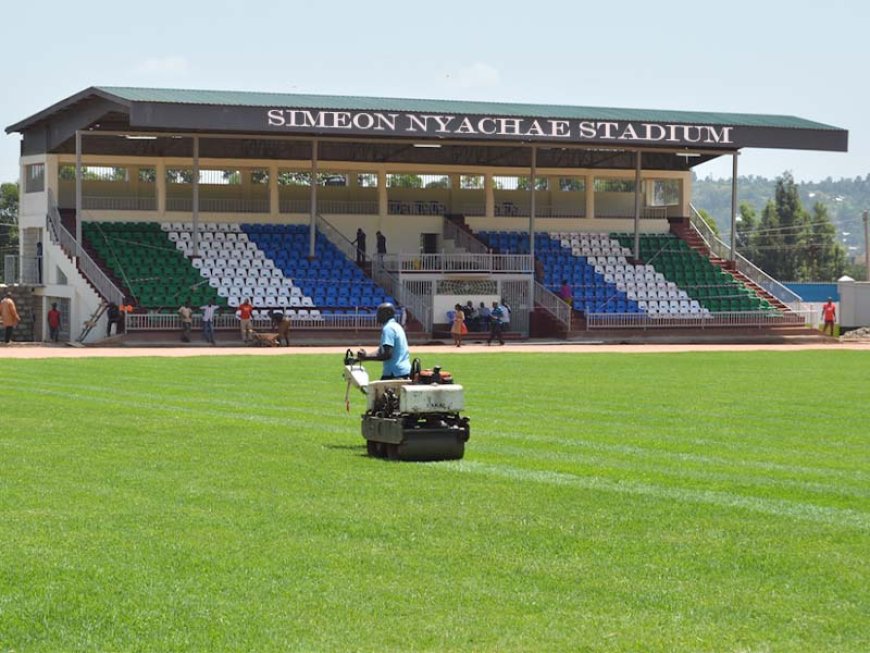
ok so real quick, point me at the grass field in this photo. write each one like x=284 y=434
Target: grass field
x=607 y=502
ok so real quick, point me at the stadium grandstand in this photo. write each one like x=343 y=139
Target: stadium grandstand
x=152 y=198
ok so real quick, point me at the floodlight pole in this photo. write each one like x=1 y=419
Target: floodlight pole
x=733 y=256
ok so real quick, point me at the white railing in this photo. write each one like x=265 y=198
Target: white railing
x=553 y=304
x=700 y=321
x=744 y=265
x=419 y=306
x=462 y=239
x=172 y=322
x=86 y=265
x=464 y=263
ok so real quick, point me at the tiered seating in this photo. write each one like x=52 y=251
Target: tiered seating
x=653 y=293
x=155 y=273
x=711 y=286
x=334 y=282
x=238 y=269
x=601 y=278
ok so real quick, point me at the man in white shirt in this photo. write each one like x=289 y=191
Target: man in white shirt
x=208 y=313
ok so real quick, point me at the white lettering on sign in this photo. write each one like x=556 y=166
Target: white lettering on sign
x=447 y=125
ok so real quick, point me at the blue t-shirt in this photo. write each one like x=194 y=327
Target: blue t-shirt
x=399 y=364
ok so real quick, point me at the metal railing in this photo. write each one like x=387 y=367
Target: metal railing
x=170 y=322
x=218 y=205
x=17 y=269
x=554 y=305
x=744 y=265
x=97 y=203
x=338 y=207
x=727 y=319
x=462 y=239
x=462 y=263
x=337 y=238
x=87 y=266
x=418 y=305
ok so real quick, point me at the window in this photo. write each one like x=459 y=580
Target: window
x=34 y=178
x=572 y=184
x=519 y=183
x=662 y=192
x=395 y=180
x=147 y=175
x=367 y=180
x=471 y=182
x=614 y=185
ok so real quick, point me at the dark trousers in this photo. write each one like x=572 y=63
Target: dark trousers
x=53 y=333
x=9 y=334
x=495 y=331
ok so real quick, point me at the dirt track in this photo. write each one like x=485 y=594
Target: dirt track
x=34 y=351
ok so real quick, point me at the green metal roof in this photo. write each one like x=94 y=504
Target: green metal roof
x=339 y=102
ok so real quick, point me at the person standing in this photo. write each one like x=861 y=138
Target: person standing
x=113 y=316
x=381 y=243
x=393 y=350
x=208 y=313
x=360 y=243
x=484 y=312
x=282 y=323
x=495 y=318
x=186 y=314
x=39 y=261
x=53 y=318
x=458 y=328
x=246 y=310
x=829 y=315
x=9 y=317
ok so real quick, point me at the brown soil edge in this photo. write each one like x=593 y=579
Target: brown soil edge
x=27 y=351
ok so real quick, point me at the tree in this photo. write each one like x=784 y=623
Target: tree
x=747 y=223
x=824 y=259
x=9 y=197
x=708 y=219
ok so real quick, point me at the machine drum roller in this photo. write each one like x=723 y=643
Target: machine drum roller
x=411 y=419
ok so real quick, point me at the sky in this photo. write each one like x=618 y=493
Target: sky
x=796 y=57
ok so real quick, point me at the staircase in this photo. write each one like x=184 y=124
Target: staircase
x=682 y=228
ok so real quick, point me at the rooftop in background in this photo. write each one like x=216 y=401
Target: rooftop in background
x=674 y=134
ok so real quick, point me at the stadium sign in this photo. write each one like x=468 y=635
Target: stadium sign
x=434 y=125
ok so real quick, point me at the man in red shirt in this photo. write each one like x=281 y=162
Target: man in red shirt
x=53 y=317
x=246 y=310
x=829 y=315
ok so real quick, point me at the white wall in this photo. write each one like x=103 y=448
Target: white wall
x=854 y=303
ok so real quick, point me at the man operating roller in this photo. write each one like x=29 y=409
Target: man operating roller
x=393 y=350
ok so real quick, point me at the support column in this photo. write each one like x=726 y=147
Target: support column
x=195 y=234
x=637 y=205
x=590 y=197
x=312 y=227
x=532 y=204
x=274 y=196
x=489 y=194
x=78 y=193
x=383 y=198
x=160 y=187
x=733 y=255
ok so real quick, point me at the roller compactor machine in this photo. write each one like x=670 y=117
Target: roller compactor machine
x=410 y=419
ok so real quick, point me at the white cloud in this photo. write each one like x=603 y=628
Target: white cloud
x=164 y=66
x=476 y=75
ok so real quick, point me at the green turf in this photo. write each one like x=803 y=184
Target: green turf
x=607 y=502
